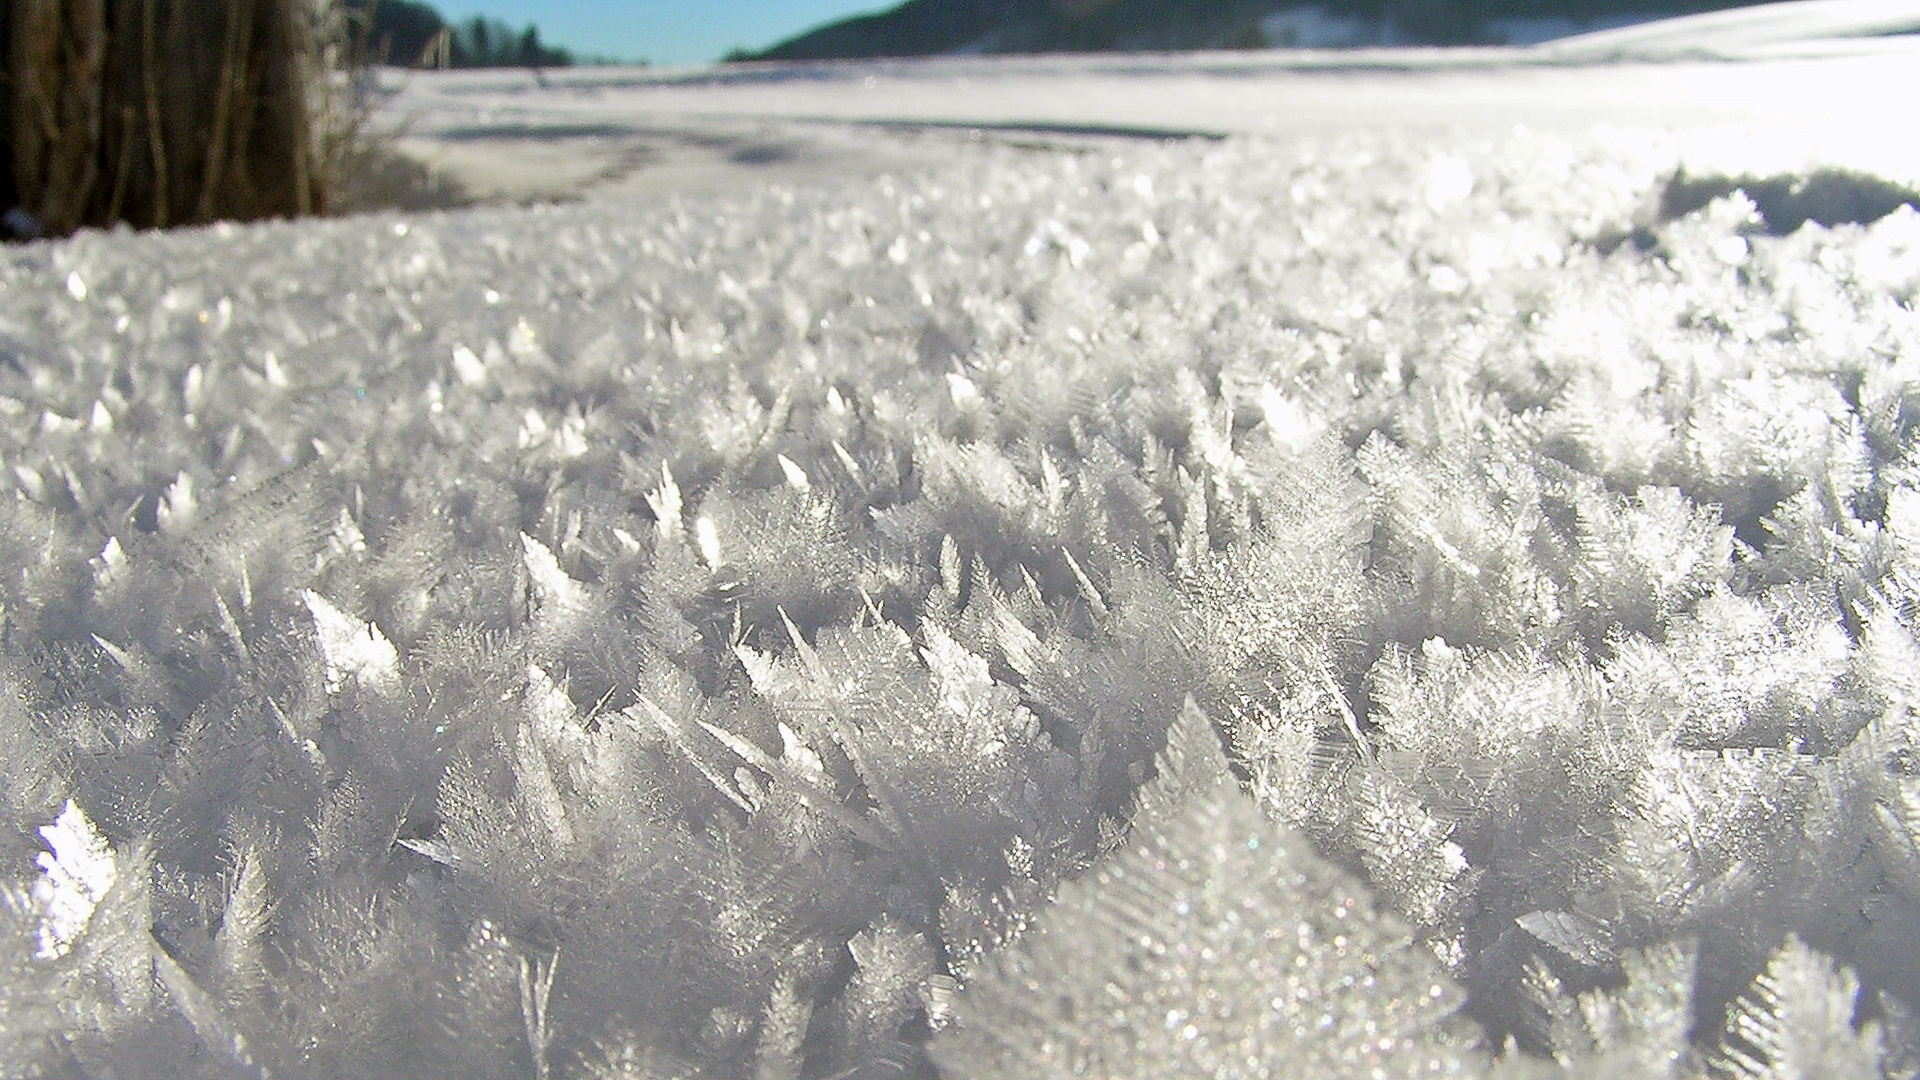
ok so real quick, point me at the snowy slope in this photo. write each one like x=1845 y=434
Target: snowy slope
x=1801 y=26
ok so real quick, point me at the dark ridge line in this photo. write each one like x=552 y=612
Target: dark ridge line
x=525 y=132
x=1361 y=61
x=1112 y=131
x=534 y=132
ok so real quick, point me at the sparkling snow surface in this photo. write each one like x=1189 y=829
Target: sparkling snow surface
x=1817 y=76
x=1401 y=582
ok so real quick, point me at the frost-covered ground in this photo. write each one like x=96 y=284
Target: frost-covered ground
x=1390 y=603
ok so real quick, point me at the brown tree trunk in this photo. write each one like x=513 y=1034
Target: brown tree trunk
x=158 y=112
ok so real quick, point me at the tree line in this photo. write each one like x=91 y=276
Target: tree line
x=920 y=27
x=412 y=33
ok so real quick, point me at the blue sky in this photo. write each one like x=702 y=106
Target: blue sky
x=663 y=31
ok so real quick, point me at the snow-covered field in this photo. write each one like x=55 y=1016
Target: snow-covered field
x=1414 y=600
x=1816 y=80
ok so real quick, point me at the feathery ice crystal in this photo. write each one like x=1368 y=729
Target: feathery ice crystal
x=1357 y=607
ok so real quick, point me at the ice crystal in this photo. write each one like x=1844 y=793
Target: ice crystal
x=1214 y=945
x=353 y=649
x=76 y=871
x=1249 y=608
x=1797 y=1021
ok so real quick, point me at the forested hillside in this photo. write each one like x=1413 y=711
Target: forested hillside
x=408 y=32
x=924 y=27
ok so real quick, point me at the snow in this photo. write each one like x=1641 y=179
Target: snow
x=730 y=626
x=1799 y=72
x=1800 y=27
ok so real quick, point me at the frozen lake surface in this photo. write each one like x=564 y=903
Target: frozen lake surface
x=1812 y=80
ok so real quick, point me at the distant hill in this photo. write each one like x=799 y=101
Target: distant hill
x=929 y=27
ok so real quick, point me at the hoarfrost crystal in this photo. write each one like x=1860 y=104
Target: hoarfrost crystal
x=76 y=872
